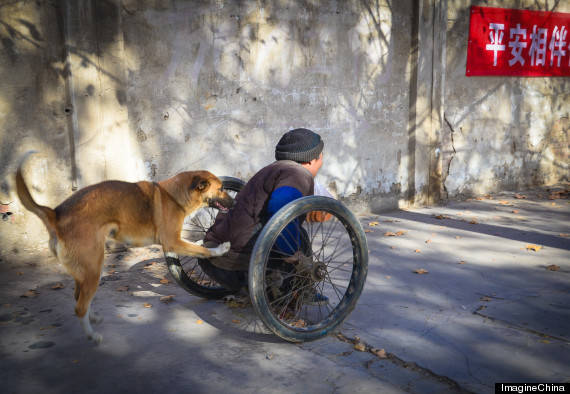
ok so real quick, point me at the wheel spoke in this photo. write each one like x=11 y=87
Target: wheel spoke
x=193 y=278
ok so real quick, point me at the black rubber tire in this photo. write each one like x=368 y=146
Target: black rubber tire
x=186 y=270
x=355 y=239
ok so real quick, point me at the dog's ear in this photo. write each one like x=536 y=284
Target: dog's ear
x=199 y=183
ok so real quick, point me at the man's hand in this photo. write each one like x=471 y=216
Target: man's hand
x=318 y=216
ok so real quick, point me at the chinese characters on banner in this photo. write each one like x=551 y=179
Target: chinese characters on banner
x=518 y=43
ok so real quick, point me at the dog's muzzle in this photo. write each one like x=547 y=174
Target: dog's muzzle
x=220 y=205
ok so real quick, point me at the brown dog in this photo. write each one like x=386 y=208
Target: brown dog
x=137 y=214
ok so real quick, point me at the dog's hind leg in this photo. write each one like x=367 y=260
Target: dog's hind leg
x=93 y=316
x=83 y=309
x=87 y=288
x=77 y=289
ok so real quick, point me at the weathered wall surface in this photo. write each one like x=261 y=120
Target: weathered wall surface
x=129 y=89
x=32 y=116
x=501 y=133
x=223 y=80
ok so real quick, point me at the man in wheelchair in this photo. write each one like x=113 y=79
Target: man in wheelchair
x=299 y=157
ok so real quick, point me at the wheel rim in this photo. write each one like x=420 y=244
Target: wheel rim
x=330 y=266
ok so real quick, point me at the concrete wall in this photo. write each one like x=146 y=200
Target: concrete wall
x=129 y=89
x=501 y=133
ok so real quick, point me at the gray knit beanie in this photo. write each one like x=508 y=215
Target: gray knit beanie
x=300 y=145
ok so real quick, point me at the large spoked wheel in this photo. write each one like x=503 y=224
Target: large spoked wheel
x=186 y=270
x=306 y=277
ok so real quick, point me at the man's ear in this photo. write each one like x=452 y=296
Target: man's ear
x=199 y=184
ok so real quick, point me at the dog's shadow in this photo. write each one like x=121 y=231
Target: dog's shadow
x=233 y=316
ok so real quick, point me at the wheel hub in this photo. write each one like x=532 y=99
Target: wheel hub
x=318 y=271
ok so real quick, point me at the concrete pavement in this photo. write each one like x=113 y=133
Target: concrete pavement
x=491 y=307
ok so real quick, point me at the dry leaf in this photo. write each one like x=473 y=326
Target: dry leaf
x=58 y=286
x=380 y=353
x=236 y=321
x=553 y=267
x=504 y=202
x=389 y=234
x=123 y=288
x=441 y=217
x=30 y=294
x=150 y=266
x=368 y=231
x=237 y=304
x=535 y=248
x=520 y=196
x=473 y=221
x=462 y=262
x=457 y=237
x=147 y=305
x=564 y=235
x=392 y=247
x=400 y=233
x=417 y=251
x=199 y=321
x=299 y=323
x=167 y=299
x=515 y=211
x=421 y=271
x=373 y=224
x=164 y=281
x=428 y=241
x=360 y=347
x=486 y=299
x=545 y=341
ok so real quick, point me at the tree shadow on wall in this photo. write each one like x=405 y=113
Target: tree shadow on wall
x=36 y=95
x=495 y=140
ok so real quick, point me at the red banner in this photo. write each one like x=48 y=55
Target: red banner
x=518 y=43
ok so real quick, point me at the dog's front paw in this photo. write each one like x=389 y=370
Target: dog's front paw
x=221 y=249
x=96 y=337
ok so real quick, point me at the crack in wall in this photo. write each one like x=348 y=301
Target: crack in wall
x=452 y=156
x=411 y=366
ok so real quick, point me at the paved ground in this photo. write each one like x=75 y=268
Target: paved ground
x=489 y=309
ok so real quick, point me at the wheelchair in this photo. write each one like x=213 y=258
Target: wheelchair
x=330 y=260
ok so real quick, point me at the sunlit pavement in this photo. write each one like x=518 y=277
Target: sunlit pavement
x=457 y=298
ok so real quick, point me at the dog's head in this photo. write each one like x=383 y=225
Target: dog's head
x=198 y=189
x=208 y=189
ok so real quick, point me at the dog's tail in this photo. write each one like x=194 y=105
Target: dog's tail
x=46 y=214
